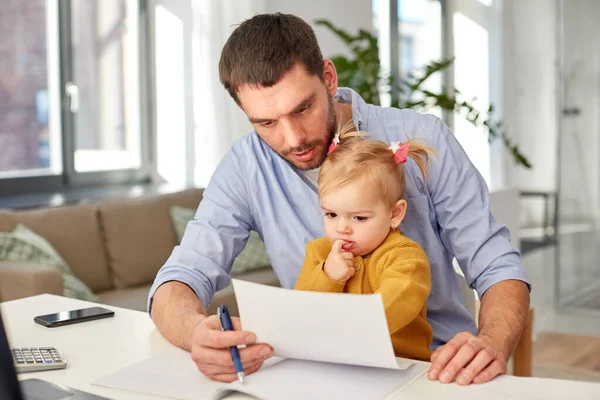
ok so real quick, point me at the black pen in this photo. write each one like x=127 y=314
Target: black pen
x=225 y=321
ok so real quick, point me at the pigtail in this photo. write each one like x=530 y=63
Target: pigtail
x=420 y=153
x=347 y=131
x=344 y=134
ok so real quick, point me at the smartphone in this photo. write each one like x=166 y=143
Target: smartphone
x=73 y=317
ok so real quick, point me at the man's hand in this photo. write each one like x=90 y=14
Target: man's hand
x=467 y=359
x=339 y=265
x=210 y=349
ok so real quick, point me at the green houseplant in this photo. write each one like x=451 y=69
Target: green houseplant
x=363 y=73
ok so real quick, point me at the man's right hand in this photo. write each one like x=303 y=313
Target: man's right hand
x=210 y=349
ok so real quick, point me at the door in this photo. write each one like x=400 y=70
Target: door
x=578 y=211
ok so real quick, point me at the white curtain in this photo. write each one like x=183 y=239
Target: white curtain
x=196 y=120
x=218 y=120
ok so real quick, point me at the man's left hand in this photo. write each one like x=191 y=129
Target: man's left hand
x=467 y=358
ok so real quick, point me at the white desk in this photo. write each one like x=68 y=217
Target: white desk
x=98 y=348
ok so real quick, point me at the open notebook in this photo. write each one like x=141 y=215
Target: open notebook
x=174 y=376
x=328 y=345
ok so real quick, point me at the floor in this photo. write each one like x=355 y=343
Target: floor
x=540 y=264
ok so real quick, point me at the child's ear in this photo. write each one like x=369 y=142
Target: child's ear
x=398 y=213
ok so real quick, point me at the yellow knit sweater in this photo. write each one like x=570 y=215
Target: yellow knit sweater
x=399 y=270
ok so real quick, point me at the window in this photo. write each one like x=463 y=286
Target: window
x=105 y=90
x=471 y=76
x=30 y=139
x=418 y=34
x=432 y=30
x=71 y=109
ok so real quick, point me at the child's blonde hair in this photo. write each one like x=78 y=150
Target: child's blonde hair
x=354 y=158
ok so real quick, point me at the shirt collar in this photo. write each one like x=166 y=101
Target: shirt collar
x=359 y=106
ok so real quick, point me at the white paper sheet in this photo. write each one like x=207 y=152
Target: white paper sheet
x=171 y=375
x=175 y=376
x=329 y=327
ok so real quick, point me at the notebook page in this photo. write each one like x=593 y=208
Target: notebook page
x=329 y=327
x=301 y=380
x=172 y=375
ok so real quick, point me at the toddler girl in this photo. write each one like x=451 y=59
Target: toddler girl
x=361 y=188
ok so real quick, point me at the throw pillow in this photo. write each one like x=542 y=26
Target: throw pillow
x=253 y=256
x=24 y=245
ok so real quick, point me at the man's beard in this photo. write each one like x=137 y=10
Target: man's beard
x=330 y=126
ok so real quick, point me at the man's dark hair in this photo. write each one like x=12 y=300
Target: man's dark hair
x=263 y=48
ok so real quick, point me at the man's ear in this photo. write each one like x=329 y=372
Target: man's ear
x=330 y=76
x=398 y=213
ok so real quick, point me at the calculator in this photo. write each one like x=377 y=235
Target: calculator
x=32 y=359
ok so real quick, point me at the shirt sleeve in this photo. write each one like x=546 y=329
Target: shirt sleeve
x=405 y=284
x=313 y=278
x=216 y=235
x=467 y=228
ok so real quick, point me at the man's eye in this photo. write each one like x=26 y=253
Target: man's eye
x=302 y=110
x=267 y=124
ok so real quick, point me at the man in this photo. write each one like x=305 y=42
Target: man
x=273 y=68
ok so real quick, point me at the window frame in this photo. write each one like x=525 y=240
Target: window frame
x=69 y=178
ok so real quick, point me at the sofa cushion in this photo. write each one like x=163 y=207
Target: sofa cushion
x=253 y=257
x=20 y=280
x=136 y=298
x=139 y=235
x=74 y=233
x=24 y=245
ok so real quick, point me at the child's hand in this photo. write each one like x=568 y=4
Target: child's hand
x=339 y=265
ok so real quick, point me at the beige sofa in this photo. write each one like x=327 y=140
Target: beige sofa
x=115 y=247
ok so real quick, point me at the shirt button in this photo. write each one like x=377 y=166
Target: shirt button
x=357 y=266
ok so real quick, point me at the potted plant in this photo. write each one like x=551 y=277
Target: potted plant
x=363 y=73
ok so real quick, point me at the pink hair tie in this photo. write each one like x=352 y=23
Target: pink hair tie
x=400 y=151
x=334 y=143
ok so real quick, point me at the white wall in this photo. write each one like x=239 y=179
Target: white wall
x=347 y=14
x=530 y=95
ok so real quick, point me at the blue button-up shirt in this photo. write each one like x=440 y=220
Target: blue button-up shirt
x=255 y=189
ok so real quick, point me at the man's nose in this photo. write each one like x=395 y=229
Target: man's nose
x=294 y=135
